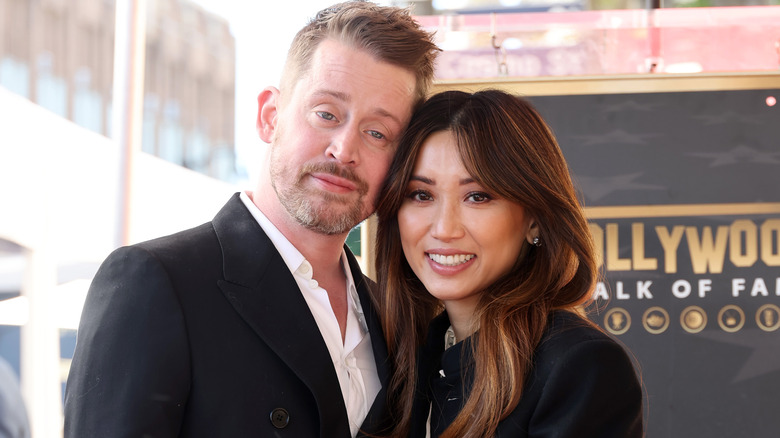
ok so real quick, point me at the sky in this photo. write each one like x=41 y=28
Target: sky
x=263 y=31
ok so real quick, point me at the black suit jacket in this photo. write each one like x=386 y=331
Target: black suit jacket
x=582 y=384
x=205 y=333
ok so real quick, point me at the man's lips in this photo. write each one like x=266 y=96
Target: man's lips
x=333 y=181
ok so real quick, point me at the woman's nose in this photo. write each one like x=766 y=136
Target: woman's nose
x=446 y=223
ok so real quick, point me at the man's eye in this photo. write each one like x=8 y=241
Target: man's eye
x=326 y=115
x=377 y=135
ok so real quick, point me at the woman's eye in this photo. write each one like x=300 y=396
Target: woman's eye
x=479 y=197
x=419 y=195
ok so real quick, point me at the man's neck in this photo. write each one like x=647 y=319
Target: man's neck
x=322 y=251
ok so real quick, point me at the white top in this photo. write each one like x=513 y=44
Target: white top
x=353 y=359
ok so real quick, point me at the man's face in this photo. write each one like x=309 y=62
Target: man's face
x=335 y=135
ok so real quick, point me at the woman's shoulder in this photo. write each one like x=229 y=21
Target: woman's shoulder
x=568 y=330
x=577 y=361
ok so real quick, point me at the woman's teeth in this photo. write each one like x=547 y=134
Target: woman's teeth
x=450 y=260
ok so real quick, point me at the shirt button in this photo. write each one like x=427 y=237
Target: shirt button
x=313 y=284
x=280 y=418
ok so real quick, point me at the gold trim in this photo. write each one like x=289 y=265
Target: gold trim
x=617 y=84
x=729 y=328
x=646 y=211
x=646 y=324
x=626 y=316
x=761 y=323
x=686 y=325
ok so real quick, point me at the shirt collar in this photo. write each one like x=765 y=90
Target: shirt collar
x=290 y=254
x=295 y=260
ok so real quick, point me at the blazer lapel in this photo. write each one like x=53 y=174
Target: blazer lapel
x=264 y=293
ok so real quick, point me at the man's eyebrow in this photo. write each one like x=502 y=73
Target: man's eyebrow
x=344 y=97
x=337 y=94
x=383 y=113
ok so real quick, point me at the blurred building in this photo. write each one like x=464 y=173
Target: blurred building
x=443 y=7
x=59 y=54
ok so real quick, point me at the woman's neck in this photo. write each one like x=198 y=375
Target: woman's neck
x=462 y=320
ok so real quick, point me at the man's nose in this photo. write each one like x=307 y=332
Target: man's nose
x=345 y=146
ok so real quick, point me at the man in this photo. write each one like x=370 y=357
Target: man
x=259 y=323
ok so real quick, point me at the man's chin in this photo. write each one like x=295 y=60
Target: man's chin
x=329 y=228
x=330 y=220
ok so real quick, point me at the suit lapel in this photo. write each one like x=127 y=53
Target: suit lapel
x=264 y=293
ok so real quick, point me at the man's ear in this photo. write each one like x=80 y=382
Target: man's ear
x=267 y=109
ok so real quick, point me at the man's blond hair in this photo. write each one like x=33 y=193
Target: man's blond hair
x=387 y=33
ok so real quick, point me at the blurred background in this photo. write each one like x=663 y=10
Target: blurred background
x=123 y=120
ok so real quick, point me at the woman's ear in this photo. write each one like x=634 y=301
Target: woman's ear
x=267 y=109
x=533 y=233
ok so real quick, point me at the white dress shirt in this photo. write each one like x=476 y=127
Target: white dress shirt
x=353 y=359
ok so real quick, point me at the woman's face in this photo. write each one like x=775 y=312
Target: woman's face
x=457 y=236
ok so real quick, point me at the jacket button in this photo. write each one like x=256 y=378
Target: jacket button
x=280 y=418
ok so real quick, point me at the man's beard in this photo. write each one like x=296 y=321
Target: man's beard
x=301 y=203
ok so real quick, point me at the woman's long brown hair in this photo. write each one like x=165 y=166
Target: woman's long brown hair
x=507 y=147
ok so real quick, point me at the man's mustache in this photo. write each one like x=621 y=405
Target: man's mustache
x=339 y=171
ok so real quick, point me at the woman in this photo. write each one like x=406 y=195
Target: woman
x=484 y=258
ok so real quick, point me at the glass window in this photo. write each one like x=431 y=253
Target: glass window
x=51 y=91
x=171 y=147
x=15 y=76
x=171 y=143
x=223 y=163
x=87 y=103
x=197 y=153
x=149 y=136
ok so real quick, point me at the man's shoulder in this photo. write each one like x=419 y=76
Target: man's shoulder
x=183 y=247
x=194 y=236
x=191 y=238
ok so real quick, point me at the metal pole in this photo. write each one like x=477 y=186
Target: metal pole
x=39 y=338
x=129 y=61
x=655 y=61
